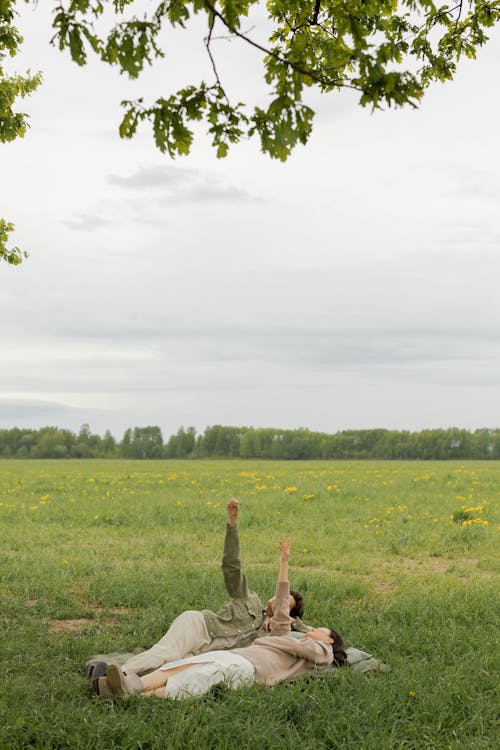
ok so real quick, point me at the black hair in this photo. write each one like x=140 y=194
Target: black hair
x=298 y=609
x=339 y=654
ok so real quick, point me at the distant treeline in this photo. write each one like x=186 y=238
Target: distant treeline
x=248 y=442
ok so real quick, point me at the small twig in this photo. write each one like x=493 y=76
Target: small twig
x=230 y=37
x=434 y=21
x=326 y=31
x=207 y=41
x=316 y=12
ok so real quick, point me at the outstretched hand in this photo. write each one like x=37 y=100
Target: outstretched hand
x=285 y=547
x=232 y=508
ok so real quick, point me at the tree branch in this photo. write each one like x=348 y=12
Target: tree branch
x=316 y=12
x=275 y=55
x=207 y=41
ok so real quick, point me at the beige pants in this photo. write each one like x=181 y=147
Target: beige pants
x=187 y=636
x=196 y=674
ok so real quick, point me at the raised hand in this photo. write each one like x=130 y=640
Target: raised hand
x=232 y=508
x=285 y=546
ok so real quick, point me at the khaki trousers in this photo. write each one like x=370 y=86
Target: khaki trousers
x=187 y=636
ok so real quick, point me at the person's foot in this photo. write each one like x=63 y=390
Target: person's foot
x=123 y=685
x=102 y=688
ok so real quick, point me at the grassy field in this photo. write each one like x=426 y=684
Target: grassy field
x=399 y=557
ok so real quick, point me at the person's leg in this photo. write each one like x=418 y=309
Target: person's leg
x=154 y=682
x=186 y=679
x=187 y=636
x=220 y=666
x=118 y=684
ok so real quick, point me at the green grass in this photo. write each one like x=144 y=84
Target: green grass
x=399 y=557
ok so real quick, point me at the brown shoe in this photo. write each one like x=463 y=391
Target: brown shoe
x=123 y=685
x=103 y=689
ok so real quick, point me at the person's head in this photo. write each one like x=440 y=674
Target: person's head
x=330 y=636
x=296 y=605
x=298 y=609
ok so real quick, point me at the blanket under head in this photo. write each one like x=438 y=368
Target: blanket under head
x=359 y=661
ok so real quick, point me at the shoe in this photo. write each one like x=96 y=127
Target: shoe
x=102 y=688
x=95 y=672
x=123 y=685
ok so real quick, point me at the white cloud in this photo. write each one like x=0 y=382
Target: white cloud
x=86 y=222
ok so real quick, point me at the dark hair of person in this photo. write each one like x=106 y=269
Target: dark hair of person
x=339 y=654
x=298 y=610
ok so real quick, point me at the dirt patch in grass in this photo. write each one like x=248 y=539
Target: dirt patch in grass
x=76 y=592
x=427 y=564
x=383 y=587
x=61 y=627
x=98 y=609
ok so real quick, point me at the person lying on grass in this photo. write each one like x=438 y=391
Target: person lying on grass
x=269 y=660
x=237 y=623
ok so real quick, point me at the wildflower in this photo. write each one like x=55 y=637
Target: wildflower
x=290 y=490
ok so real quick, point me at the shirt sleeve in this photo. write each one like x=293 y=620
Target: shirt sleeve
x=320 y=654
x=281 y=621
x=316 y=652
x=234 y=578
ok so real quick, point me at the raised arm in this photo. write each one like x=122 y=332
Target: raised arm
x=232 y=509
x=234 y=578
x=285 y=547
x=281 y=620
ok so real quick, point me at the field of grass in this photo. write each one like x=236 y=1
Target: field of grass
x=399 y=557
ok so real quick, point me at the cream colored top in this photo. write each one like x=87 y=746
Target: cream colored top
x=279 y=657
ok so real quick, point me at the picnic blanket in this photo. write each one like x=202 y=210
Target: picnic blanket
x=359 y=661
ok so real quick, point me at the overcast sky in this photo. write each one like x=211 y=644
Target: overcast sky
x=355 y=286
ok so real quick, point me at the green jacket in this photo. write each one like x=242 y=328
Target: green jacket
x=244 y=614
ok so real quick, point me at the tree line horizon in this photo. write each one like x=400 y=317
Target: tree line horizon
x=219 y=441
